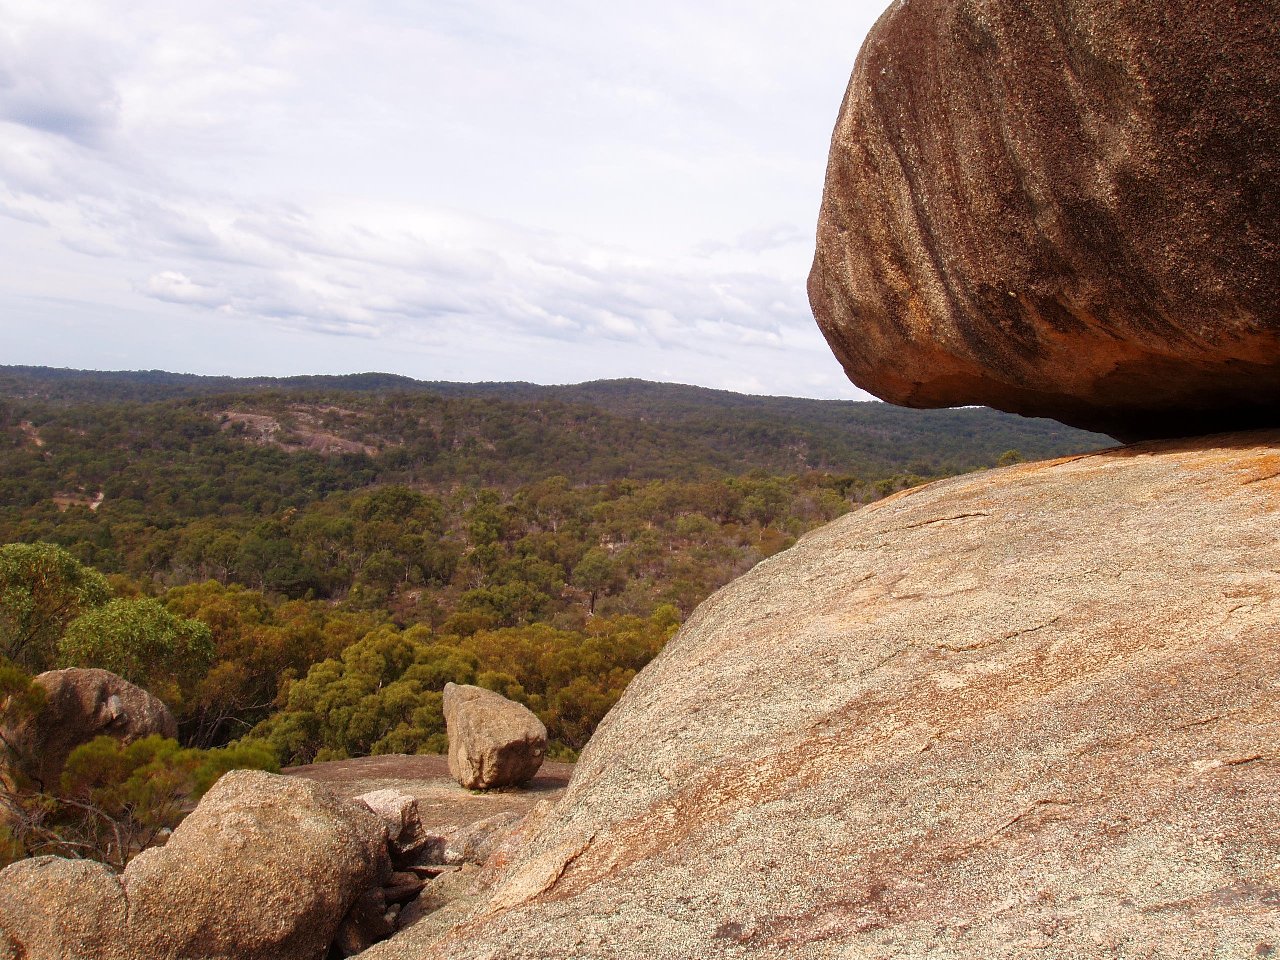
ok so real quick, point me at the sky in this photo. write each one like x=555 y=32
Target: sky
x=481 y=190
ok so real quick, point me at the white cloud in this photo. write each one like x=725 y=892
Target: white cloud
x=174 y=287
x=617 y=189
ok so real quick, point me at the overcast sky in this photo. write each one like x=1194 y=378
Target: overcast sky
x=480 y=190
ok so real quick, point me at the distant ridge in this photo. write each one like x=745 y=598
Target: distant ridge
x=636 y=424
x=61 y=383
x=70 y=383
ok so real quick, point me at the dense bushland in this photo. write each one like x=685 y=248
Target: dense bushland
x=297 y=570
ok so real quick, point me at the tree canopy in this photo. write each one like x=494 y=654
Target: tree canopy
x=43 y=588
x=142 y=641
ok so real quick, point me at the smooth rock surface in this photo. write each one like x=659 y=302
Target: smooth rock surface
x=493 y=742
x=442 y=803
x=82 y=704
x=1033 y=712
x=1061 y=208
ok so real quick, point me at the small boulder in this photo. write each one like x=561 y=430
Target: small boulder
x=476 y=842
x=399 y=812
x=402 y=886
x=493 y=742
x=52 y=908
x=365 y=924
x=444 y=902
x=265 y=867
x=82 y=704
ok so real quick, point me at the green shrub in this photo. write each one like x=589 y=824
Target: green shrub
x=115 y=799
x=42 y=589
x=143 y=642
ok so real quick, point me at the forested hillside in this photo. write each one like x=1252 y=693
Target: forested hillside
x=342 y=537
x=298 y=566
x=730 y=431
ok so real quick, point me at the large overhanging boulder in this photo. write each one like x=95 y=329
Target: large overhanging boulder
x=1027 y=713
x=1062 y=208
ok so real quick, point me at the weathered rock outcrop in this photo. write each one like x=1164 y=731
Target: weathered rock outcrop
x=477 y=842
x=477 y=855
x=82 y=704
x=399 y=814
x=493 y=742
x=1062 y=208
x=265 y=868
x=1028 y=713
